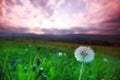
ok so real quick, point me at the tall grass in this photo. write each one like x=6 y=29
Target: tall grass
x=18 y=61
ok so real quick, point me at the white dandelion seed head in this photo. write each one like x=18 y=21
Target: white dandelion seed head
x=60 y=54
x=84 y=54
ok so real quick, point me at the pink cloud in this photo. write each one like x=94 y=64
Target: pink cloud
x=88 y=15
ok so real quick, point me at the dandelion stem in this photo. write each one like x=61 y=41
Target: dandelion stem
x=81 y=69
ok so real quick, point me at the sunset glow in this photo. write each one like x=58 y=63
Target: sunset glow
x=60 y=16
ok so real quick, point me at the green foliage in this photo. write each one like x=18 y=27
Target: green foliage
x=27 y=60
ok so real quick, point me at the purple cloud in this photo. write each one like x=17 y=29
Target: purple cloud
x=7 y=28
x=60 y=16
x=43 y=6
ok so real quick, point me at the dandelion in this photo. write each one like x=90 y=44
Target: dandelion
x=105 y=60
x=60 y=54
x=84 y=54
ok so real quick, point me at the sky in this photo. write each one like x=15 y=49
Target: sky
x=60 y=16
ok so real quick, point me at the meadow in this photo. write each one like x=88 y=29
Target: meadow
x=23 y=59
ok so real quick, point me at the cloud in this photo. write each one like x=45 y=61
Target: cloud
x=108 y=30
x=43 y=6
x=56 y=31
x=12 y=29
x=60 y=16
x=8 y=28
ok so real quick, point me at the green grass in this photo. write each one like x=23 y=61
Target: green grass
x=19 y=60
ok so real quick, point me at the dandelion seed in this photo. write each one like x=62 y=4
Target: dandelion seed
x=60 y=54
x=84 y=54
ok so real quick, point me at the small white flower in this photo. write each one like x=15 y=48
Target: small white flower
x=41 y=68
x=105 y=60
x=60 y=54
x=84 y=54
x=65 y=54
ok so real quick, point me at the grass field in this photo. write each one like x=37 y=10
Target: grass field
x=39 y=60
